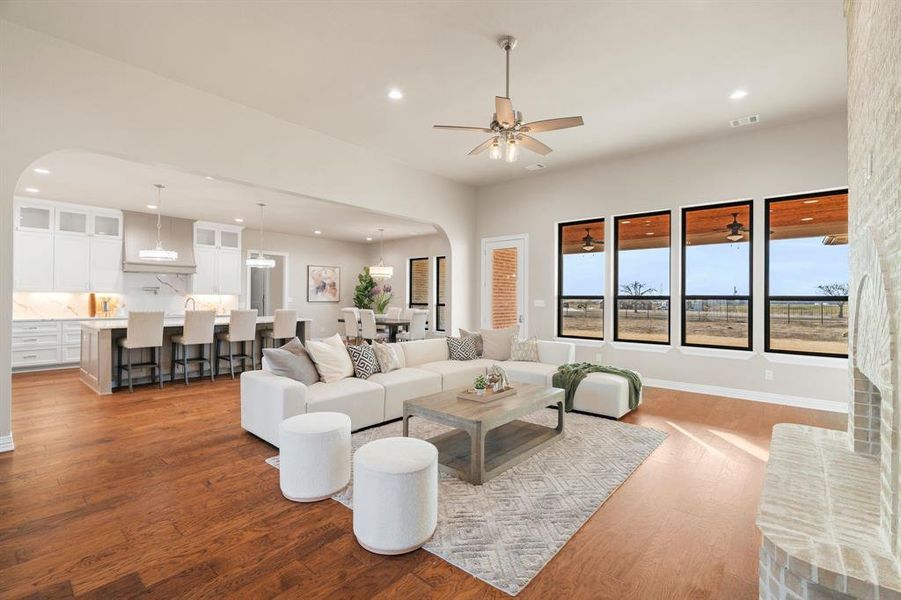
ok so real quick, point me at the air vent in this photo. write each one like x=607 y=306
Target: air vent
x=536 y=167
x=749 y=120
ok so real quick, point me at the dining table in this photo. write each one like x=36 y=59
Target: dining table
x=392 y=325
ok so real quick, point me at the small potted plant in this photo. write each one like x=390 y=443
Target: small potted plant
x=479 y=385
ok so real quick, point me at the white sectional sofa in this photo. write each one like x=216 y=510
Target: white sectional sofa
x=268 y=399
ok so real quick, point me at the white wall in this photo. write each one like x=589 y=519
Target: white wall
x=750 y=163
x=58 y=96
x=303 y=251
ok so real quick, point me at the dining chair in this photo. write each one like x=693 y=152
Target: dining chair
x=369 y=330
x=407 y=314
x=242 y=328
x=144 y=330
x=416 y=330
x=198 y=331
x=393 y=312
x=284 y=327
x=351 y=318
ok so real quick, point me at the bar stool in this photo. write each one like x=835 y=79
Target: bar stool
x=242 y=327
x=351 y=318
x=145 y=330
x=284 y=327
x=198 y=331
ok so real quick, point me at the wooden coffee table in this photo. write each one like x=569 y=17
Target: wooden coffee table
x=488 y=438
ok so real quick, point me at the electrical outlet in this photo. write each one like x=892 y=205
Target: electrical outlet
x=539 y=304
x=768 y=375
x=598 y=357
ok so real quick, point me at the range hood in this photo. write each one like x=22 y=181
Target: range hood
x=139 y=233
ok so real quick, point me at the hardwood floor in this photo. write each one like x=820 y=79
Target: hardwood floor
x=162 y=494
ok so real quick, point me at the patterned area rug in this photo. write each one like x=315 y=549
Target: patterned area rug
x=505 y=531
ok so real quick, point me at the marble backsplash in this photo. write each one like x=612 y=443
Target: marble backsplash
x=141 y=291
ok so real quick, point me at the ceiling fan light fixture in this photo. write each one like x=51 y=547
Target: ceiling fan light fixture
x=511 y=151
x=588 y=242
x=495 y=152
x=735 y=237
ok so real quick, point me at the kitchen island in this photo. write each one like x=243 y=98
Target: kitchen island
x=99 y=339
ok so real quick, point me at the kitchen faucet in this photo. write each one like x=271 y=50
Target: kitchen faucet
x=192 y=301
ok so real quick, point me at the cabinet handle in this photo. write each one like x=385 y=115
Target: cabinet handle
x=31 y=340
x=30 y=356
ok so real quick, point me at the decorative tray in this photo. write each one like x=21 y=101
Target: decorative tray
x=488 y=396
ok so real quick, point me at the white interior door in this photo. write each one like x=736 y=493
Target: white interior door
x=504 y=282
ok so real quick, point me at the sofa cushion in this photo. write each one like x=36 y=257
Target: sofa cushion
x=365 y=363
x=476 y=339
x=456 y=373
x=525 y=351
x=419 y=352
x=390 y=356
x=462 y=348
x=496 y=343
x=331 y=358
x=291 y=360
x=529 y=372
x=405 y=384
x=360 y=399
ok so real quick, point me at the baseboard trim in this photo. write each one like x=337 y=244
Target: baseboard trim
x=768 y=397
x=6 y=443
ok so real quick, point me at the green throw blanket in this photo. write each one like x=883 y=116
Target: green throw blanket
x=570 y=376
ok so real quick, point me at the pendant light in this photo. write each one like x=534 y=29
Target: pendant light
x=380 y=271
x=260 y=260
x=158 y=254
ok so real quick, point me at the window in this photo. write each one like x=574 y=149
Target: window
x=641 y=271
x=440 y=286
x=418 y=283
x=580 y=279
x=807 y=274
x=716 y=275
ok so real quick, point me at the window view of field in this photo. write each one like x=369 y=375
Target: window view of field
x=808 y=270
x=716 y=322
x=582 y=317
x=643 y=320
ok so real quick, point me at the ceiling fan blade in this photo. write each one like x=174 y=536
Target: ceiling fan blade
x=504 y=109
x=462 y=128
x=553 y=124
x=534 y=145
x=481 y=147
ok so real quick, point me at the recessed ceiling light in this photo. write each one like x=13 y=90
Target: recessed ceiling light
x=807 y=218
x=32 y=190
x=317 y=232
x=811 y=201
x=412 y=233
x=41 y=171
x=395 y=94
x=738 y=95
x=151 y=206
x=625 y=222
x=650 y=233
x=239 y=220
x=209 y=178
x=368 y=239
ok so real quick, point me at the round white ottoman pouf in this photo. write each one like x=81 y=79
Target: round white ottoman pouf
x=314 y=455
x=395 y=494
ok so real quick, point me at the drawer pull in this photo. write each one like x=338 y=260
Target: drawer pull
x=30 y=356
x=30 y=340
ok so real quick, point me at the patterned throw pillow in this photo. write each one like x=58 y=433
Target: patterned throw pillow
x=476 y=338
x=387 y=356
x=461 y=348
x=365 y=363
x=526 y=350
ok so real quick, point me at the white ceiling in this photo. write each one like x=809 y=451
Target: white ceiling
x=97 y=180
x=642 y=74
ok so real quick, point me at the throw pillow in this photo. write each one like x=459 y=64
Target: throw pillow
x=496 y=343
x=461 y=348
x=365 y=363
x=331 y=359
x=387 y=356
x=293 y=361
x=476 y=338
x=526 y=350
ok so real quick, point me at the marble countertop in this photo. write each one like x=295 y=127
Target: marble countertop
x=51 y=319
x=167 y=322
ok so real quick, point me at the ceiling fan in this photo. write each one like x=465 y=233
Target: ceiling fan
x=507 y=127
x=735 y=230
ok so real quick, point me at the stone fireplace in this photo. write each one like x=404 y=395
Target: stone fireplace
x=830 y=510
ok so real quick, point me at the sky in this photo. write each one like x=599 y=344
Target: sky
x=797 y=266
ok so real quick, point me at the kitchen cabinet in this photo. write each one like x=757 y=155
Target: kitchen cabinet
x=106 y=264
x=71 y=263
x=32 y=261
x=45 y=344
x=217 y=254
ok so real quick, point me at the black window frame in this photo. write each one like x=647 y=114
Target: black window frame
x=767 y=298
x=749 y=297
x=562 y=298
x=616 y=295
x=439 y=326
x=410 y=303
